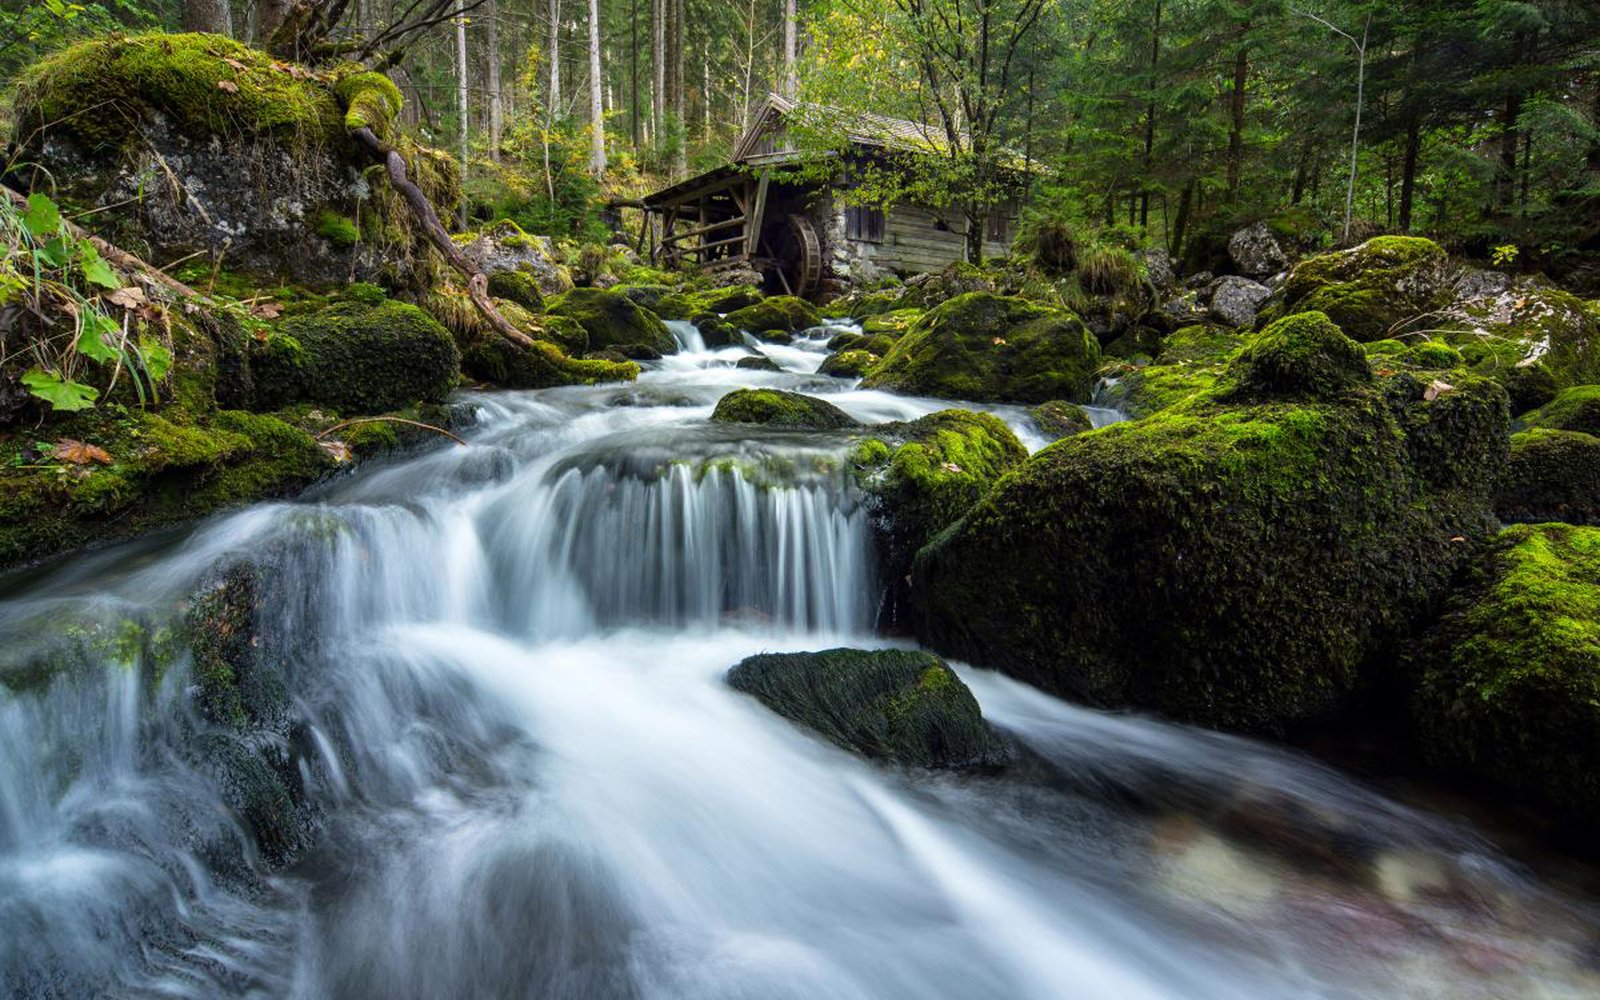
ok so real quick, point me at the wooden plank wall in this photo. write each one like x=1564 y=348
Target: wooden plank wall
x=913 y=241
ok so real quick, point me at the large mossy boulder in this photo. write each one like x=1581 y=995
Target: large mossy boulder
x=197 y=144
x=539 y=366
x=1552 y=476
x=902 y=706
x=1509 y=681
x=779 y=314
x=361 y=358
x=1189 y=362
x=1373 y=290
x=777 y=408
x=613 y=321
x=987 y=347
x=1237 y=559
x=1533 y=339
x=1574 y=409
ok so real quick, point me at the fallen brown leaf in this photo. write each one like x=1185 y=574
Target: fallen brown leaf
x=228 y=85
x=1437 y=388
x=79 y=453
x=131 y=297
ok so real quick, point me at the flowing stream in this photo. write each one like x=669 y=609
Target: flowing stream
x=506 y=717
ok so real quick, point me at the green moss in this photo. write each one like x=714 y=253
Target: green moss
x=372 y=359
x=612 y=320
x=1574 y=409
x=779 y=314
x=541 y=366
x=1510 y=681
x=895 y=705
x=726 y=300
x=1304 y=356
x=94 y=91
x=1535 y=341
x=517 y=286
x=1190 y=362
x=1553 y=475
x=221 y=625
x=848 y=364
x=776 y=408
x=1370 y=291
x=338 y=229
x=1234 y=565
x=370 y=100
x=985 y=347
x=893 y=324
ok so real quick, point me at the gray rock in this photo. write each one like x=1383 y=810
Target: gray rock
x=1183 y=310
x=507 y=248
x=1158 y=267
x=1235 y=300
x=1255 y=251
x=1199 y=279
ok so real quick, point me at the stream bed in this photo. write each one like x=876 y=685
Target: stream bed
x=505 y=711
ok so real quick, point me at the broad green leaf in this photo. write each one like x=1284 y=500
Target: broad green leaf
x=60 y=393
x=56 y=253
x=42 y=218
x=95 y=269
x=156 y=357
x=98 y=341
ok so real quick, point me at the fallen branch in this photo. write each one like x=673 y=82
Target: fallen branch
x=477 y=281
x=397 y=420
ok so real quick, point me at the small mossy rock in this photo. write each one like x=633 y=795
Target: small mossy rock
x=613 y=321
x=779 y=314
x=1435 y=355
x=731 y=299
x=1574 y=409
x=920 y=476
x=372 y=359
x=505 y=247
x=1232 y=565
x=848 y=364
x=225 y=644
x=715 y=331
x=659 y=299
x=1304 y=356
x=520 y=287
x=540 y=366
x=862 y=304
x=776 y=408
x=1372 y=289
x=758 y=363
x=1058 y=419
x=987 y=347
x=1552 y=476
x=902 y=706
x=1509 y=685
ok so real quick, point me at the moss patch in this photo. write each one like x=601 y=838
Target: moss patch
x=613 y=320
x=779 y=314
x=776 y=408
x=1552 y=476
x=360 y=358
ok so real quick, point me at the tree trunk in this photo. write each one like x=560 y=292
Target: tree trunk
x=1408 y=170
x=791 y=85
x=1180 y=225
x=461 y=104
x=1505 y=179
x=633 y=74
x=658 y=65
x=269 y=14
x=680 y=151
x=1150 y=120
x=496 y=110
x=553 y=94
x=1241 y=75
x=209 y=16
x=597 y=116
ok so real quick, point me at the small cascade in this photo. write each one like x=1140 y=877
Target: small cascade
x=687 y=335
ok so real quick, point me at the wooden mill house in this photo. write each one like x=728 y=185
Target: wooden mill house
x=798 y=233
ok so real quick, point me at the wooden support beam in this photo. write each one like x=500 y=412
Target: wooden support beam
x=714 y=227
x=753 y=233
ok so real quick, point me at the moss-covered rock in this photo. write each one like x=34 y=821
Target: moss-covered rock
x=520 y=287
x=1190 y=361
x=1058 y=419
x=1534 y=340
x=359 y=358
x=990 y=347
x=848 y=364
x=715 y=331
x=776 y=408
x=902 y=706
x=539 y=367
x=779 y=314
x=1427 y=354
x=892 y=324
x=730 y=299
x=613 y=321
x=1552 y=476
x=1509 y=685
x=1574 y=409
x=758 y=363
x=1371 y=291
x=1230 y=563
x=921 y=476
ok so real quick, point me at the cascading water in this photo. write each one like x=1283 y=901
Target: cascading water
x=498 y=760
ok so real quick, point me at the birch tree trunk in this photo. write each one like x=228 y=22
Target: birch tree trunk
x=791 y=85
x=553 y=97
x=461 y=104
x=680 y=152
x=491 y=14
x=597 y=114
x=658 y=65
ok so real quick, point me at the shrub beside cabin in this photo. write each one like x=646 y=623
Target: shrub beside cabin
x=774 y=209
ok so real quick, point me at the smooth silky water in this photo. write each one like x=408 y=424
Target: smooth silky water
x=505 y=665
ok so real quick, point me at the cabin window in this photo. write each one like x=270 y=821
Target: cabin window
x=997 y=228
x=862 y=223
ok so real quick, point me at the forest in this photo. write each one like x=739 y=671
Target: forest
x=793 y=499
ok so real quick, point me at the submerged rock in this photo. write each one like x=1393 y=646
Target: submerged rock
x=758 y=363
x=1235 y=560
x=776 y=408
x=1510 y=679
x=903 y=706
x=988 y=347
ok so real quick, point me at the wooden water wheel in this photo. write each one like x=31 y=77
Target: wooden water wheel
x=796 y=254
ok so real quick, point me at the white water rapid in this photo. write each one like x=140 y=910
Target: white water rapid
x=521 y=774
